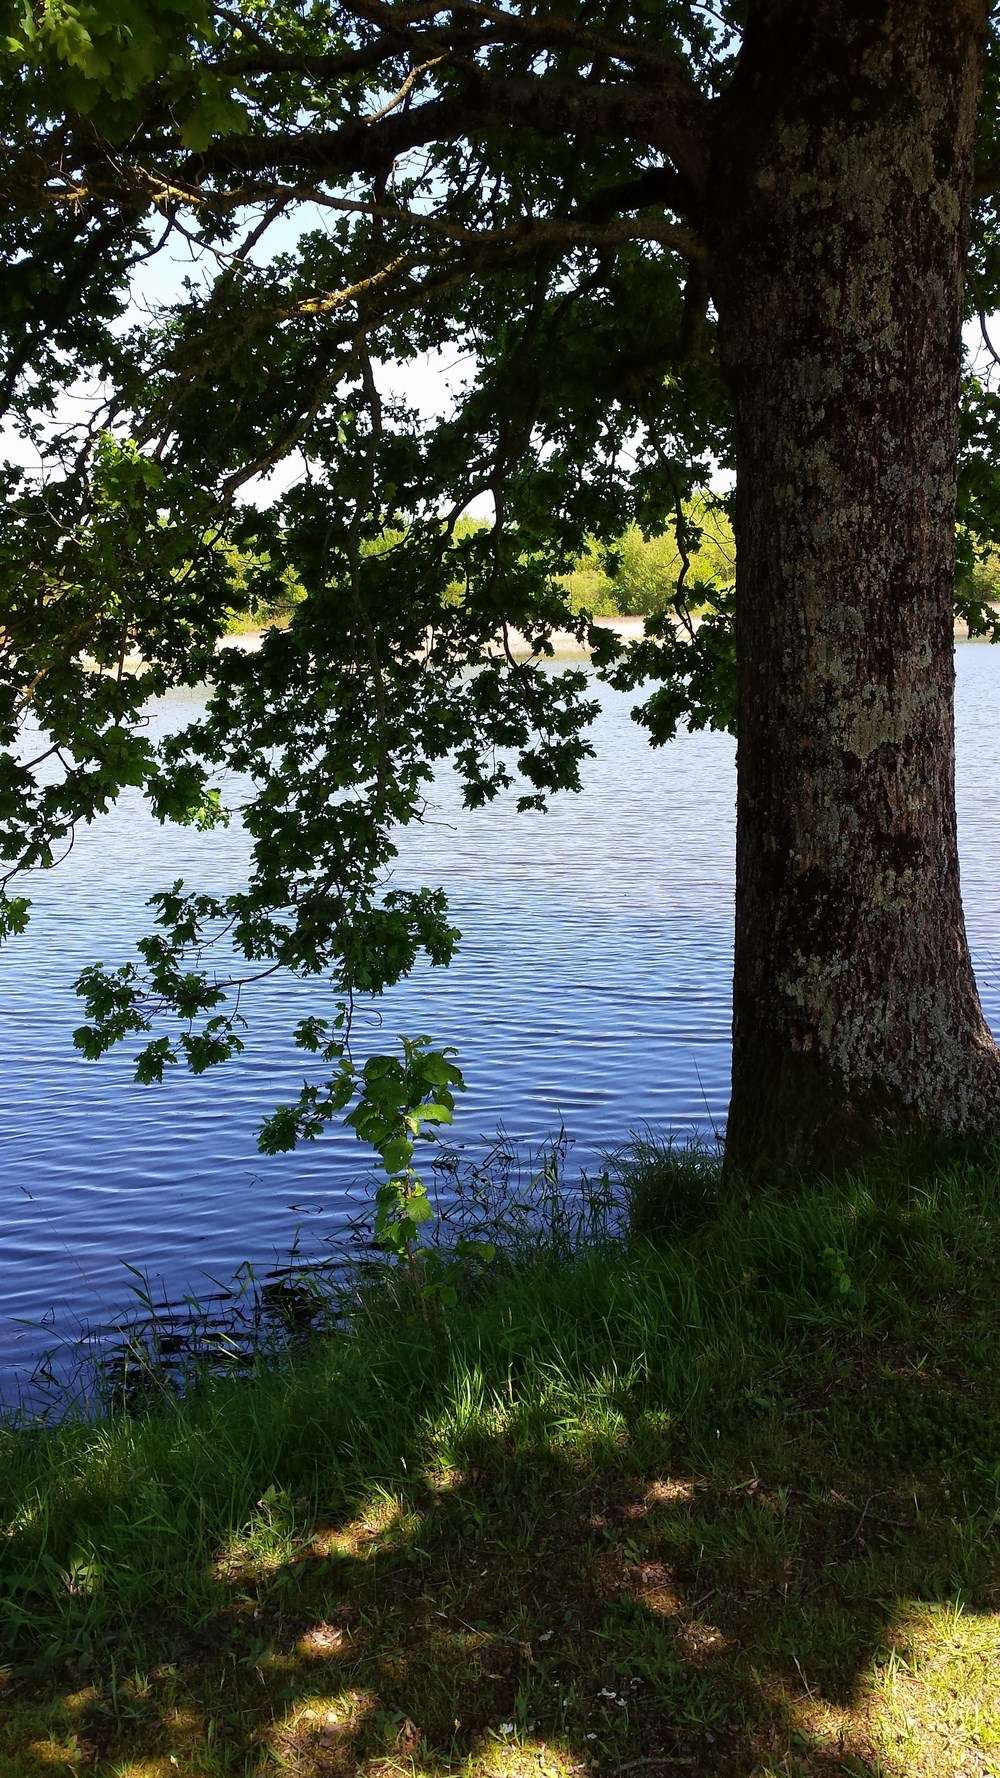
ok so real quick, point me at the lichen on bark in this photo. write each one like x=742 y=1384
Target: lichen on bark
x=845 y=165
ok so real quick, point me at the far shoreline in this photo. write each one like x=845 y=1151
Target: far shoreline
x=565 y=646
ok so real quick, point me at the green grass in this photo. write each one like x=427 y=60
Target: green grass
x=722 y=1503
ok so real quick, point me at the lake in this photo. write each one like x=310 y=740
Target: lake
x=591 y=991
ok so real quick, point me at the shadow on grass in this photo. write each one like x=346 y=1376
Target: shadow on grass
x=614 y=1527
x=532 y=1614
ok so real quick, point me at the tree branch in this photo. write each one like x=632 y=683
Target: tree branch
x=551 y=106
x=581 y=228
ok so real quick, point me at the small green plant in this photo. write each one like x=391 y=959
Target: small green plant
x=397 y=1099
x=840 y=1278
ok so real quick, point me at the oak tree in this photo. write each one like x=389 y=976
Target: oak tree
x=667 y=240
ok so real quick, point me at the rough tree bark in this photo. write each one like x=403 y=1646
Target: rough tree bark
x=844 y=169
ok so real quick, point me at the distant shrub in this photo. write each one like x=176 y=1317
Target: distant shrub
x=249 y=609
x=635 y=576
x=639 y=575
x=591 y=588
x=983 y=578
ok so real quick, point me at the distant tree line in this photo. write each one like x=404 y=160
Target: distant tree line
x=636 y=577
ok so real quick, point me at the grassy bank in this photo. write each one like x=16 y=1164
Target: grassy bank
x=725 y=1501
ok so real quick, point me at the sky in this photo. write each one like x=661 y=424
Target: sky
x=429 y=382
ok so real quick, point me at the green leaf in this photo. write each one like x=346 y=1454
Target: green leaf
x=214 y=114
x=436 y=1114
x=397 y=1154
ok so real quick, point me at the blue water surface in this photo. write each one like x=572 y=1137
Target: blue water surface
x=591 y=990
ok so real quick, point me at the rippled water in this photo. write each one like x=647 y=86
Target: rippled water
x=591 y=989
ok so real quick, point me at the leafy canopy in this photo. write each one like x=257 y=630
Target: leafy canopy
x=225 y=226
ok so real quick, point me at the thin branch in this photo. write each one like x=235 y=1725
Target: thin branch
x=680 y=526
x=551 y=106
x=656 y=187
x=987 y=342
x=550 y=31
x=374 y=401
x=269 y=459
x=405 y=90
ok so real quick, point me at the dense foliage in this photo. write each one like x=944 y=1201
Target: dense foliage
x=636 y=576
x=224 y=231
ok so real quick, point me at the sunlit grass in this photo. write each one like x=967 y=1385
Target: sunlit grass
x=722 y=1503
x=935 y=1696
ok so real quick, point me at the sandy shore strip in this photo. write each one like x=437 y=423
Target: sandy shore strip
x=565 y=646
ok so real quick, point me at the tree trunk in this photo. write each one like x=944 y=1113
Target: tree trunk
x=844 y=170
